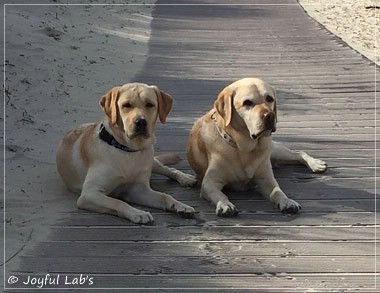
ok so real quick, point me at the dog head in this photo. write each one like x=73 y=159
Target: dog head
x=249 y=103
x=133 y=109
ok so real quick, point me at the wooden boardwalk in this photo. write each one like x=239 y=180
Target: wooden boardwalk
x=326 y=95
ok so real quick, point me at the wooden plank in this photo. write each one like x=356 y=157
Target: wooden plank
x=354 y=150
x=255 y=204
x=207 y=218
x=191 y=249
x=327 y=124
x=310 y=132
x=310 y=189
x=213 y=233
x=180 y=141
x=333 y=163
x=281 y=83
x=285 y=95
x=219 y=264
x=300 y=174
x=366 y=132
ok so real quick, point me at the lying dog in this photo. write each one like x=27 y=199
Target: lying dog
x=231 y=146
x=111 y=162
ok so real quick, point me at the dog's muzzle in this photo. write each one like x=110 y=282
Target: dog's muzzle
x=269 y=125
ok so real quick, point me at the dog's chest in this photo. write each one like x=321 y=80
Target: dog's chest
x=250 y=163
x=132 y=166
x=250 y=167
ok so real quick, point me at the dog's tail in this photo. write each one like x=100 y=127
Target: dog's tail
x=168 y=158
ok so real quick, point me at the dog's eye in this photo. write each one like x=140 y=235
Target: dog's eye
x=149 y=105
x=127 y=105
x=269 y=99
x=248 y=103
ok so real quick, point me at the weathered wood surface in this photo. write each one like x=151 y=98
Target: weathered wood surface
x=326 y=95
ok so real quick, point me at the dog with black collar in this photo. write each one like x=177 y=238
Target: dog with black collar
x=110 y=163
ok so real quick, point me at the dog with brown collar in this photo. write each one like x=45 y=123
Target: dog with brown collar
x=232 y=146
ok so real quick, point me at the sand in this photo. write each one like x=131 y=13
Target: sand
x=356 y=22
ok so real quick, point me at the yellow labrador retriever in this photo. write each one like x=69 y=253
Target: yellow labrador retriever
x=231 y=146
x=110 y=163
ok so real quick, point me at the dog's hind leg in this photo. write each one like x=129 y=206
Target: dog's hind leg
x=182 y=178
x=281 y=153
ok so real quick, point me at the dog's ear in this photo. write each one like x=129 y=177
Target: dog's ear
x=109 y=104
x=165 y=102
x=223 y=105
x=275 y=109
x=275 y=102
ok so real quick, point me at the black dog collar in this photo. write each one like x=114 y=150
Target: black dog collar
x=108 y=138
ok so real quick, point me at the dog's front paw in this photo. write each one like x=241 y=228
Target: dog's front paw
x=186 y=180
x=185 y=211
x=316 y=165
x=141 y=217
x=289 y=206
x=226 y=209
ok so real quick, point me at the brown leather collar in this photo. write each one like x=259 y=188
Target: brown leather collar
x=226 y=137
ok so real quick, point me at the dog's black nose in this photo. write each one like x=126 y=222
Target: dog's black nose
x=269 y=116
x=141 y=125
x=269 y=120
